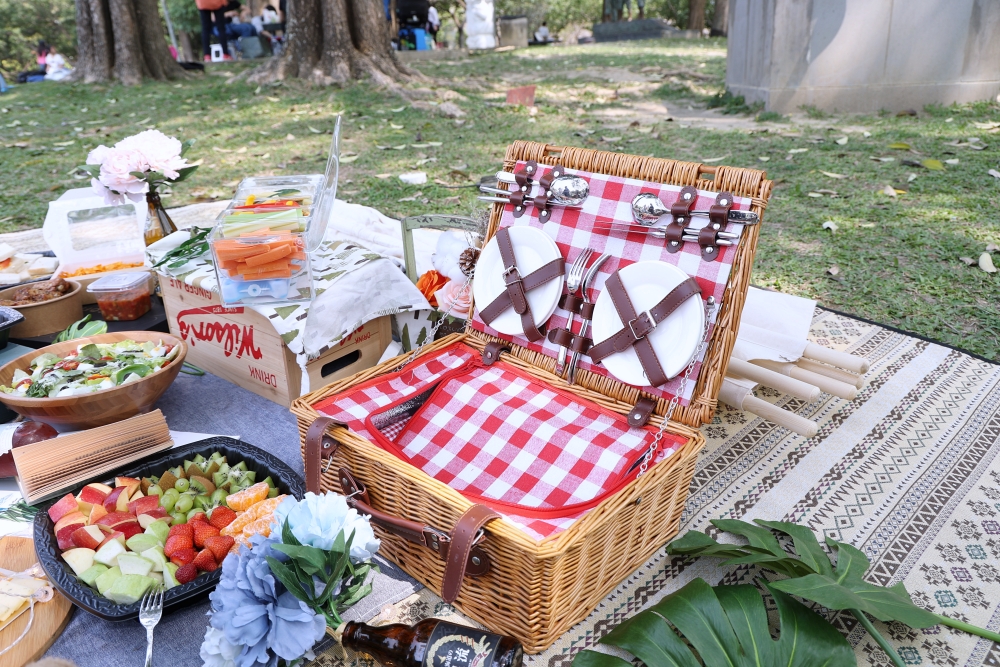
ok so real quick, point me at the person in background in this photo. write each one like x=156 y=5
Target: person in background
x=3 y=84
x=211 y=10
x=641 y=6
x=56 y=68
x=269 y=15
x=238 y=22
x=542 y=35
x=433 y=23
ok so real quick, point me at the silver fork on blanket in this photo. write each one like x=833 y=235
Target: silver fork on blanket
x=150 y=612
x=573 y=279
x=585 y=327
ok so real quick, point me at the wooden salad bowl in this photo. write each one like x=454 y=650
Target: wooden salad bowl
x=101 y=407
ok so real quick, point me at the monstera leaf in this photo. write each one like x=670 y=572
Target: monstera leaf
x=812 y=575
x=727 y=627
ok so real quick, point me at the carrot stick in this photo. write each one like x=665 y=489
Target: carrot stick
x=242 y=253
x=268 y=257
x=278 y=265
x=297 y=255
x=268 y=275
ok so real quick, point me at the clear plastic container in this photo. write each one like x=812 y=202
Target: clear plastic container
x=261 y=267
x=122 y=296
x=298 y=203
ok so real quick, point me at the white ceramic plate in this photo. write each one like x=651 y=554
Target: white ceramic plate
x=674 y=340
x=533 y=249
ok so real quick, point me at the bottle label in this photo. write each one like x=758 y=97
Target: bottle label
x=459 y=646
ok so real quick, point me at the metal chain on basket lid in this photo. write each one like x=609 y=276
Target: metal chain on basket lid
x=710 y=307
x=430 y=334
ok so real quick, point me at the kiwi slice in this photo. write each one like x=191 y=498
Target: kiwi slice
x=167 y=480
x=202 y=484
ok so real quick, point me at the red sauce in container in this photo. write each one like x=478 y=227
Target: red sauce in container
x=123 y=296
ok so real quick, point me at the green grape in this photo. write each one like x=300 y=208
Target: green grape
x=184 y=504
x=167 y=503
x=182 y=485
x=178 y=517
x=173 y=493
x=154 y=490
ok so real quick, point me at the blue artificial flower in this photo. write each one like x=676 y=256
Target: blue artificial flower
x=254 y=611
x=316 y=520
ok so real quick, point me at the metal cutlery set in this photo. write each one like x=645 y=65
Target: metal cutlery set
x=560 y=190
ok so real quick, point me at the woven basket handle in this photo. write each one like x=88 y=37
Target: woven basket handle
x=459 y=548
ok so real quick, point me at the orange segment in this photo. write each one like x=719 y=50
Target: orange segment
x=236 y=527
x=260 y=526
x=265 y=506
x=242 y=500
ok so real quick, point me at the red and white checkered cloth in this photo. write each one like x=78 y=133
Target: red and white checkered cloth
x=502 y=438
x=572 y=230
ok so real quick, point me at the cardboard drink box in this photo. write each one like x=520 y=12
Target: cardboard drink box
x=240 y=345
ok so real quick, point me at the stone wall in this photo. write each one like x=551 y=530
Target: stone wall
x=863 y=55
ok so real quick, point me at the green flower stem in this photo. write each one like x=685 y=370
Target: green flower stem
x=879 y=639
x=971 y=629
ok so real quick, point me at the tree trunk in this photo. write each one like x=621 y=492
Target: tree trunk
x=696 y=15
x=333 y=42
x=122 y=39
x=187 y=51
x=720 y=20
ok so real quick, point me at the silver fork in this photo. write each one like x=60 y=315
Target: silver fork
x=585 y=327
x=150 y=612
x=573 y=279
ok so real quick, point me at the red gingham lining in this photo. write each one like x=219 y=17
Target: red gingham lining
x=572 y=230
x=499 y=437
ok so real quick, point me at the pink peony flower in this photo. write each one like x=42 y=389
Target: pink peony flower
x=97 y=155
x=161 y=153
x=453 y=300
x=117 y=178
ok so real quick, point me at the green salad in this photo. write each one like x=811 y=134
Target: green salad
x=91 y=368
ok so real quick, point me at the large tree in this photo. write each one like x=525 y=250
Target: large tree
x=122 y=39
x=335 y=41
x=696 y=15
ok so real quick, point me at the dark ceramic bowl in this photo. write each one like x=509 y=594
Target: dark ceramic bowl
x=85 y=597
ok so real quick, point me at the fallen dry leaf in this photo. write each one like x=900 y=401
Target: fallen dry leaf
x=828 y=193
x=221 y=150
x=911 y=178
x=953 y=160
x=241 y=150
x=881 y=159
x=396 y=127
x=931 y=163
x=793 y=151
x=867 y=225
x=842 y=141
x=994 y=173
x=314 y=130
x=900 y=146
x=398 y=110
x=383 y=176
x=763 y=158
x=992 y=247
x=347 y=159
x=968 y=261
x=273 y=99
x=831 y=225
x=889 y=190
x=833 y=270
x=289 y=137
x=814 y=194
x=611 y=139
x=832 y=175
x=715 y=159
x=986 y=263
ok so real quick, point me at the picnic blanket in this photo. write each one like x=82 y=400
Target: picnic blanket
x=908 y=472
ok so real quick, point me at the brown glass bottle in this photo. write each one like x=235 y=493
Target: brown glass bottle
x=432 y=643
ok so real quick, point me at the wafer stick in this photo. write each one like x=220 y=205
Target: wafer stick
x=740 y=398
x=831 y=372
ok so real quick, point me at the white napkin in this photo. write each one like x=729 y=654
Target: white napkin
x=773 y=326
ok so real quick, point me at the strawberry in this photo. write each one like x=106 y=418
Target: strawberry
x=222 y=517
x=205 y=561
x=175 y=543
x=220 y=546
x=186 y=573
x=203 y=531
x=182 y=557
x=182 y=529
x=200 y=516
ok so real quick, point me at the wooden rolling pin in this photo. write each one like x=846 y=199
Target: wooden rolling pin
x=837 y=374
x=768 y=378
x=851 y=362
x=741 y=398
x=827 y=384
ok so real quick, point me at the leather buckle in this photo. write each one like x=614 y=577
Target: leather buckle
x=436 y=540
x=649 y=325
x=509 y=270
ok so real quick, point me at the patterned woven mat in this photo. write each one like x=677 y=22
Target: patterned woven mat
x=908 y=472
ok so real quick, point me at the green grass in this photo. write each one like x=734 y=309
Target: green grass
x=898 y=256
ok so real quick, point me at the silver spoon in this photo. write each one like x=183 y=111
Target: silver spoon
x=647 y=209
x=564 y=190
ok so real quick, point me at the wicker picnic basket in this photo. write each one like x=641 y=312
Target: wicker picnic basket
x=536 y=590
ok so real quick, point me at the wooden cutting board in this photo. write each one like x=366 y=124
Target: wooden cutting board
x=18 y=553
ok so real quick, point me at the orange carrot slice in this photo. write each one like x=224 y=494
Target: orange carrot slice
x=270 y=256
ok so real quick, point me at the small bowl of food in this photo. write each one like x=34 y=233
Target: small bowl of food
x=92 y=381
x=48 y=306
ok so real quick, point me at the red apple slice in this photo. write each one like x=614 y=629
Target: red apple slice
x=88 y=537
x=64 y=537
x=112 y=502
x=144 y=505
x=95 y=493
x=115 y=518
x=97 y=513
x=73 y=518
x=65 y=505
x=129 y=529
x=131 y=483
x=116 y=535
x=146 y=519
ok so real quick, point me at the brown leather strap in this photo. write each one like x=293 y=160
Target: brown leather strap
x=674 y=237
x=463 y=540
x=708 y=239
x=515 y=296
x=639 y=415
x=526 y=175
x=491 y=353
x=555 y=172
x=638 y=326
x=572 y=342
x=475 y=561
x=681 y=209
x=718 y=213
x=577 y=305
x=319 y=446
